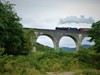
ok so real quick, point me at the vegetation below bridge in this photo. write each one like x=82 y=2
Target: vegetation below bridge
x=17 y=58
x=48 y=60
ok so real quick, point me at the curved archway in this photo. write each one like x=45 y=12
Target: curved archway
x=86 y=43
x=67 y=42
x=45 y=40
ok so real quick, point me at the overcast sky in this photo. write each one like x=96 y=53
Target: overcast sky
x=48 y=14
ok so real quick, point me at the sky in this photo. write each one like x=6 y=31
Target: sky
x=48 y=14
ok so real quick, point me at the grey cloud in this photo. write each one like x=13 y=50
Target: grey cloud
x=74 y=19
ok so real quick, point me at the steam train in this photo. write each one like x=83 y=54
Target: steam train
x=72 y=29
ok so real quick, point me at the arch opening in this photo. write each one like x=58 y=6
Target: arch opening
x=45 y=40
x=67 y=43
x=86 y=43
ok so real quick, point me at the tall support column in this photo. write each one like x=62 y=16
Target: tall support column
x=79 y=41
x=56 y=44
x=77 y=45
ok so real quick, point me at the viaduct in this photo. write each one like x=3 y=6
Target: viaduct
x=56 y=35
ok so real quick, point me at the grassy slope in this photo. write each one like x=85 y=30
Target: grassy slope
x=40 y=62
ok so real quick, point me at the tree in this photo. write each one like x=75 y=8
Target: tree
x=29 y=40
x=94 y=33
x=11 y=30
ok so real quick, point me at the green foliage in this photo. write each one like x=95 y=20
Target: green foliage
x=1 y=51
x=13 y=38
x=94 y=34
x=42 y=48
x=11 y=31
x=84 y=55
x=14 y=41
x=96 y=60
x=11 y=65
x=40 y=62
x=54 y=61
x=29 y=40
x=88 y=58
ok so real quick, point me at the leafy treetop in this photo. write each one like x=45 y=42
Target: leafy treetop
x=94 y=33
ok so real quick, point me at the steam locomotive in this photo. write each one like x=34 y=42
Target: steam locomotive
x=72 y=29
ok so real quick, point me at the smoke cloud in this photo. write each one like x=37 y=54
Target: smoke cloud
x=74 y=19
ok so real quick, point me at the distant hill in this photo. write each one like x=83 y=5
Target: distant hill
x=86 y=46
x=68 y=49
x=40 y=47
x=73 y=49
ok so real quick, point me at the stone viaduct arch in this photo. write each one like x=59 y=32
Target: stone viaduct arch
x=56 y=35
x=73 y=38
x=47 y=36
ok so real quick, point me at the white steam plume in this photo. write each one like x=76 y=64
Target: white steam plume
x=74 y=19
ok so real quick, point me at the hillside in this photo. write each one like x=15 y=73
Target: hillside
x=46 y=60
x=41 y=48
x=68 y=49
